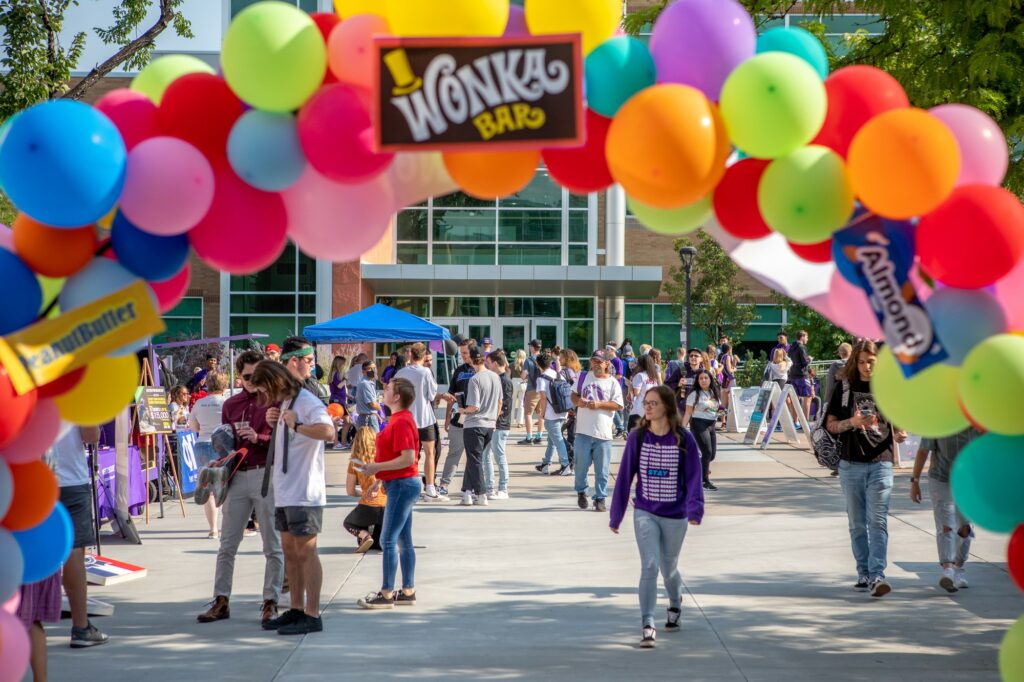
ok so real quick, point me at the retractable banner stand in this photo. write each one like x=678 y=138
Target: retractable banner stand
x=784 y=417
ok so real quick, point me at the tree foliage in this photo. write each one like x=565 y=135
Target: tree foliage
x=823 y=336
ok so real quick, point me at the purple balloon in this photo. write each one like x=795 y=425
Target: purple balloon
x=699 y=42
x=516 y=25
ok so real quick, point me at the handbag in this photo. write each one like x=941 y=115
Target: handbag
x=828 y=447
x=215 y=478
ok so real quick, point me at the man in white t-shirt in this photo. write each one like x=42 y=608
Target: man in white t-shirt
x=598 y=398
x=552 y=420
x=422 y=379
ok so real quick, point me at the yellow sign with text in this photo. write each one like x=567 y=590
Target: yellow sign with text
x=47 y=350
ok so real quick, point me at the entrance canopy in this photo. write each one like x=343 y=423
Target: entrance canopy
x=376 y=324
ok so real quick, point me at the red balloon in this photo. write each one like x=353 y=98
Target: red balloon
x=337 y=136
x=735 y=200
x=62 y=385
x=133 y=113
x=582 y=170
x=990 y=217
x=201 y=109
x=14 y=409
x=856 y=94
x=245 y=229
x=326 y=21
x=815 y=253
x=170 y=292
x=1015 y=556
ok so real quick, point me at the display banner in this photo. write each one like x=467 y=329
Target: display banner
x=154 y=412
x=478 y=93
x=757 y=415
x=189 y=466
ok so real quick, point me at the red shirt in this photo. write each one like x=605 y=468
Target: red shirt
x=400 y=434
x=245 y=406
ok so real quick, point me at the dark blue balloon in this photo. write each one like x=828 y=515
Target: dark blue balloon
x=899 y=232
x=147 y=255
x=23 y=297
x=45 y=547
x=63 y=163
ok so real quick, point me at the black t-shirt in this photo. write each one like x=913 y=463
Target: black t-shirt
x=876 y=444
x=801 y=361
x=505 y=418
x=463 y=373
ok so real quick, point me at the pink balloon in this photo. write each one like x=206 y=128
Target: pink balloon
x=337 y=222
x=38 y=434
x=984 y=156
x=170 y=292
x=1010 y=294
x=6 y=238
x=11 y=605
x=244 y=230
x=14 y=648
x=516 y=25
x=851 y=309
x=133 y=113
x=337 y=136
x=350 y=51
x=168 y=186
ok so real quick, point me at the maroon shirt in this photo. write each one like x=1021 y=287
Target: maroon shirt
x=245 y=406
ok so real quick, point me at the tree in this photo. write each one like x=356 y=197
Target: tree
x=718 y=296
x=823 y=336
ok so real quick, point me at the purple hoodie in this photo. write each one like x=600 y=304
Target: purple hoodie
x=668 y=478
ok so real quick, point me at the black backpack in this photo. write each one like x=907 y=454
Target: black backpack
x=560 y=394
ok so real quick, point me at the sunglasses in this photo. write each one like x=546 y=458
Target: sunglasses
x=247 y=377
x=652 y=403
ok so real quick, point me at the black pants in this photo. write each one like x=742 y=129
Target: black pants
x=707 y=440
x=365 y=517
x=569 y=434
x=476 y=439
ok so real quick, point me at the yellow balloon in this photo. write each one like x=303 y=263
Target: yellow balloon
x=106 y=388
x=597 y=20
x=448 y=18
x=350 y=8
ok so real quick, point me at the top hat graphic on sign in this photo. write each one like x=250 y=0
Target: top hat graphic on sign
x=406 y=81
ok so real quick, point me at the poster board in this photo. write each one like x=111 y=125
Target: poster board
x=781 y=415
x=742 y=402
x=765 y=395
x=154 y=412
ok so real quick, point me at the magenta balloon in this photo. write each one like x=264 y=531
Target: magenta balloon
x=35 y=438
x=984 y=156
x=168 y=186
x=11 y=605
x=133 y=113
x=334 y=221
x=516 y=25
x=700 y=42
x=14 y=648
x=851 y=309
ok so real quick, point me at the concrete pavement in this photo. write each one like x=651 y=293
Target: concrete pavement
x=534 y=588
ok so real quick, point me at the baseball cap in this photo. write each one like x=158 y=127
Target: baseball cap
x=476 y=353
x=600 y=354
x=536 y=343
x=459 y=339
x=488 y=341
x=273 y=347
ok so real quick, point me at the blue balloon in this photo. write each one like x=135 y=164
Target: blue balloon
x=264 y=150
x=149 y=256
x=99 y=278
x=616 y=70
x=63 y=163
x=963 y=318
x=23 y=296
x=900 y=232
x=12 y=567
x=45 y=547
x=798 y=42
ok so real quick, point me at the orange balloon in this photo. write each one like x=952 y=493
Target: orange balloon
x=35 y=493
x=53 y=251
x=335 y=410
x=488 y=175
x=903 y=163
x=667 y=146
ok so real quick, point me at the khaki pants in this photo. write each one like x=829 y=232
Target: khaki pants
x=244 y=496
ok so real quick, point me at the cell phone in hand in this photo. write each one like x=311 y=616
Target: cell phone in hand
x=358 y=466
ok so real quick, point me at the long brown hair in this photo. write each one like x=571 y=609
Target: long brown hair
x=276 y=380
x=569 y=359
x=668 y=399
x=849 y=370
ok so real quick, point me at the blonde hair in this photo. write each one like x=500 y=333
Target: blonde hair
x=779 y=355
x=568 y=358
x=216 y=381
x=364 y=445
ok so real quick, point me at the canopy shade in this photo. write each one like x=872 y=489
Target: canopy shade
x=376 y=324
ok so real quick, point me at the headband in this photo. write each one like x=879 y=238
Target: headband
x=300 y=353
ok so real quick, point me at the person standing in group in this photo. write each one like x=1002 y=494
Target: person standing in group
x=273 y=352
x=597 y=397
x=352 y=378
x=487 y=345
x=676 y=370
x=299 y=357
x=682 y=381
x=179 y=407
x=494 y=453
x=395 y=363
x=778 y=368
x=248 y=416
x=953 y=532
x=799 y=372
x=729 y=366
x=867 y=451
x=336 y=380
x=456 y=400
x=395 y=469
x=617 y=371
x=302 y=426
x=483 y=404
x=648 y=376
x=552 y=420
x=367 y=407
x=700 y=417
x=422 y=410
x=531 y=399
x=518 y=386
x=831 y=379
x=205 y=417
x=663 y=459
x=571 y=370
x=198 y=381
x=365 y=522
x=782 y=343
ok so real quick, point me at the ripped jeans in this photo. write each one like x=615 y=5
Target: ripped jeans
x=954 y=548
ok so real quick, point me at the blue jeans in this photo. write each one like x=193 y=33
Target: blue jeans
x=371 y=420
x=555 y=442
x=867 y=488
x=396 y=536
x=496 y=448
x=617 y=420
x=599 y=452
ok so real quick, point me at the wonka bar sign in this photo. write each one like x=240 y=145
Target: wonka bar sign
x=478 y=93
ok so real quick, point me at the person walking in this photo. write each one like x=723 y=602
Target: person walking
x=494 y=453
x=700 y=417
x=867 y=451
x=729 y=366
x=531 y=399
x=366 y=520
x=571 y=371
x=518 y=386
x=664 y=460
x=456 y=401
x=553 y=420
x=396 y=470
x=483 y=403
x=597 y=397
x=206 y=416
x=425 y=385
x=367 y=407
x=831 y=380
x=799 y=373
x=617 y=370
x=648 y=376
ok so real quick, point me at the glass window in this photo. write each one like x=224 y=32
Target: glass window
x=462 y=200
x=638 y=312
x=530 y=226
x=530 y=307
x=529 y=255
x=463 y=306
x=579 y=336
x=542 y=192
x=464 y=226
x=278 y=277
x=579 y=226
x=183 y=321
x=412 y=254
x=417 y=305
x=639 y=333
x=263 y=304
x=666 y=338
x=579 y=307
x=663 y=312
x=277 y=328
x=451 y=254
x=579 y=255
x=579 y=200
x=190 y=306
x=412 y=226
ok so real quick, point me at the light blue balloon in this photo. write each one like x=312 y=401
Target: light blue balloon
x=264 y=150
x=63 y=163
x=99 y=278
x=963 y=318
x=45 y=547
x=798 y=42
x=12 y=567
x=616 y=70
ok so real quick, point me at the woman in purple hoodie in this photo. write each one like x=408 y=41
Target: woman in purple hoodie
x=665 y=460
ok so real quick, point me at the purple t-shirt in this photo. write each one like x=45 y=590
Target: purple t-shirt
x=668 y=480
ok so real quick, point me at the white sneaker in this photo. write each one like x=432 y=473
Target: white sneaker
x=481 y=500
x=432 y=495
x=960 y=579
x=492 y=496
x=467 y=500
x=501 y=495
x=948 y=580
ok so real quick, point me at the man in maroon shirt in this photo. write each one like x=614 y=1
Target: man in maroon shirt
x=252 y=432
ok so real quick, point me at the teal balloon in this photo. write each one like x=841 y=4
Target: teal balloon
x=797 y=42
x=615 y=71
x=264 y=150
x=986 y=481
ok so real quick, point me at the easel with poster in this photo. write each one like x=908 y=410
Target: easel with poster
x=153 y=420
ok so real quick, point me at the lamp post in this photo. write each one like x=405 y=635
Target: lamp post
x=687 y=254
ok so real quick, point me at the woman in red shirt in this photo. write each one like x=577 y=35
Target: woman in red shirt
x=395 y=467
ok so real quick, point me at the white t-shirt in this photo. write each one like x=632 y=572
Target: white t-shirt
x=779 y=372
x=597 y=424
x=207 y=414
x=423 y=381
x=704 y=405
x=304 y=485
x=543 y=382
x=68 y=460
x=641 y=383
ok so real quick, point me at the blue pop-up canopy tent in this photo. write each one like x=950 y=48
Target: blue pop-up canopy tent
x=376 y=324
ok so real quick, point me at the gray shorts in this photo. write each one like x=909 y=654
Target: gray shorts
x=77 y=499
x=301 y=521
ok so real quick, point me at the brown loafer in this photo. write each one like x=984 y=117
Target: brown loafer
x=219 y=611
x=269 y=610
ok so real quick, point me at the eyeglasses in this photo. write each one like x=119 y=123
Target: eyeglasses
x=652 y=403
x=247 y=377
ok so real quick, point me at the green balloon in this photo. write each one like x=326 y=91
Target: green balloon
x=51 y=288
x=154 y=78
x=926 y=404
x=806 y=195
x=274 y=56
x=992 y=382
x=1011 y=653
x=672 y=221
x=986 y=482
x=773 y=104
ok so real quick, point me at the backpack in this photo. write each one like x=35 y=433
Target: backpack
x=827 y=447
x=560 y=394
